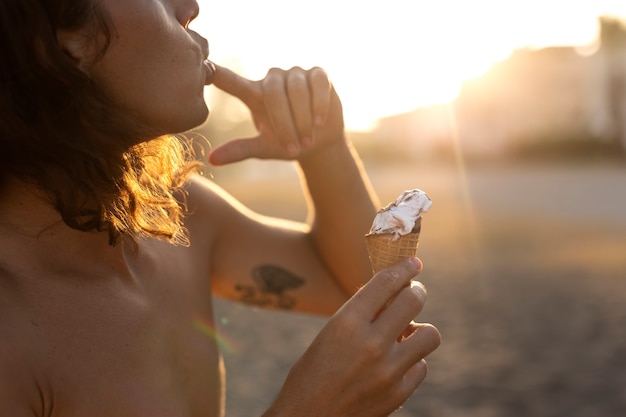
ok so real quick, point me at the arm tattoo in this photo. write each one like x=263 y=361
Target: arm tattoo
x=269 y=286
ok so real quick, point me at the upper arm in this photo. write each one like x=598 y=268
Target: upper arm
x=257 y=259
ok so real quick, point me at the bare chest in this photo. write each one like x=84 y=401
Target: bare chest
x=106 y=346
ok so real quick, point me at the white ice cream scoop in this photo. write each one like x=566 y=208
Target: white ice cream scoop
x=400 y=217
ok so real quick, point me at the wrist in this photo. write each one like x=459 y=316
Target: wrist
x=286 y=408
x=330 y=153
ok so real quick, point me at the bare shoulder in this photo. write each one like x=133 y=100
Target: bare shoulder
x=19 y=393
x=206 y=196
x=212 y=210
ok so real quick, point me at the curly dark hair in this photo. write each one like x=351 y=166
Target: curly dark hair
x=101 y=169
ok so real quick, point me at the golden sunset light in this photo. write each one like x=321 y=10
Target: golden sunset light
x=392 y=57
x=511 y=115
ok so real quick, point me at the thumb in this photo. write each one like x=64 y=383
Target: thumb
x=234 y=151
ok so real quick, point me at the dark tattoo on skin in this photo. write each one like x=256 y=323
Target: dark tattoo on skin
x=270 y=284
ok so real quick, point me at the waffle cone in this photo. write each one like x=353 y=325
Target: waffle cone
x=384 y=251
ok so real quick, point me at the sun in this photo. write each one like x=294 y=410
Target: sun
x=392 y=57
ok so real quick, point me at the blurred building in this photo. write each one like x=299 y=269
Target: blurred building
x=558 y=95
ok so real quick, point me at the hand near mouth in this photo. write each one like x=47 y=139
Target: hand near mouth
x=295 y=111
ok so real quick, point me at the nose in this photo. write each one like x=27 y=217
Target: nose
x=187 y=11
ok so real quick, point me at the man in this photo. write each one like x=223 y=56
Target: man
x=111 y=247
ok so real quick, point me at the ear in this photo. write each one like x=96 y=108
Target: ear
x=78 y=46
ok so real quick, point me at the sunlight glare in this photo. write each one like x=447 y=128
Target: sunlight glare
x=391 y=57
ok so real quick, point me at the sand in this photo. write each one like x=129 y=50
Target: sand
x=527 y=283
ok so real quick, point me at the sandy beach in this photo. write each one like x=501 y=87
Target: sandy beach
x=526 y=271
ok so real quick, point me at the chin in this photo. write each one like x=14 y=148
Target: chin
x=188 y=121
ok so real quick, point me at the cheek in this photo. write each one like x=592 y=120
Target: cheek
x=160 y=82
x=163 y=68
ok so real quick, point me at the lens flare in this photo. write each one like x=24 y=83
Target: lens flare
x=208 y=329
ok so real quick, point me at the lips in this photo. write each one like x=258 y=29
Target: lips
x=210 y=72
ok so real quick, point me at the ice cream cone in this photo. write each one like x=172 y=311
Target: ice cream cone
x=395 y=231
x=385 y=249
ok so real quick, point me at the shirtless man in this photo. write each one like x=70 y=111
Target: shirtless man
x=111 y=247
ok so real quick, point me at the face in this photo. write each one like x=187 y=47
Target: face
x=155 y=68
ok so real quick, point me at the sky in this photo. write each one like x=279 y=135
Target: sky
x=392 y=56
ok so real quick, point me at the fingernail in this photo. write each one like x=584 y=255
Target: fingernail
x=292 y=149
x=418 y=284
x=416 y=262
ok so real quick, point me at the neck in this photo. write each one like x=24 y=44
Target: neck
x=24 y=210
x=30 y=224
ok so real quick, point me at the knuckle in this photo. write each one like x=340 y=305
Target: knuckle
x=347 y=325
x=318 y=72
x=388 y=279
x=297 y=83
x=275 y=72
x=274 y=80
x=389 y=380
x=430 y=336
x=415 y=296
x=373 y=350
x=399 y=395
x=387 y=377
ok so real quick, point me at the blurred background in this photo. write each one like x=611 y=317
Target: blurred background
x=512 y=117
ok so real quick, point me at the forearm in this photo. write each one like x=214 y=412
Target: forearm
x=342 y=207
